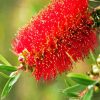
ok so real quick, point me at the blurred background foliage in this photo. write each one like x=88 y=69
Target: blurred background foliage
x=13 y=15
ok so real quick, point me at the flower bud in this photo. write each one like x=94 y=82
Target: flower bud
x=98 y=61
x=95 y=69
x=21 y=58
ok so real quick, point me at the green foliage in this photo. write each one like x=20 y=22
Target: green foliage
x=72 y=95
x=81 y=79
x=2 y=59
x=14 y=76
x=13 y=79
x=83 y=85
x=94 y=3
x=7 y=68
x=88 y=95
x=75 y=88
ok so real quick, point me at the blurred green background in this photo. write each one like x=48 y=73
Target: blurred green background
x=13 y=15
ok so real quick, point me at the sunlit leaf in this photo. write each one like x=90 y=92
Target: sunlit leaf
x=75 y=88
x=72 y=94
x=9 y=85
x=96 y=1
x=69 y=82
x=81 y=79
x=2 y=59
x=7 y=68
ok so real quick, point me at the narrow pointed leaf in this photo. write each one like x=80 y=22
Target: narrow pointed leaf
x=9 y=85
x=81 y=79
x=72 y=94
x=76 y=88
x=2 y=59
x=7 y=68
x=69 y=82
x=96 y=1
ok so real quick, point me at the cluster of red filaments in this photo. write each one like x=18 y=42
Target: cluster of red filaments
x=57 y=36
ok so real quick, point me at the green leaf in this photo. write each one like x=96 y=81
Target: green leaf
x=2 y=59
x=96 y=1
x=72 y=94
x=75 y=88
x=9 y=85
x=7 y=68
x=81 y=79
x=69 y=82
x=88 y=95
x=93 y=4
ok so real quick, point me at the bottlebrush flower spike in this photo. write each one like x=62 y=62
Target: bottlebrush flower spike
x=60 y=33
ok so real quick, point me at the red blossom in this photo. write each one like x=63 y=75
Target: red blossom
x=60 y=34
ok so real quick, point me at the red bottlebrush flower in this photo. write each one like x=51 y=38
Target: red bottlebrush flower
x=60 y=33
